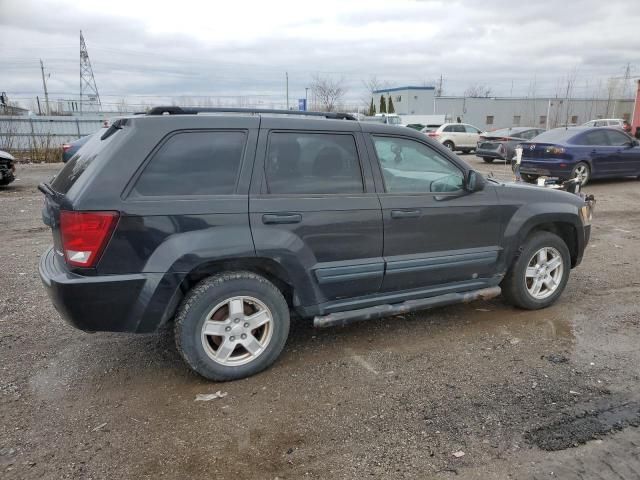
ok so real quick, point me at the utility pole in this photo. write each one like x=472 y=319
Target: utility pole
x=306 y=98
x=439 y=93
x=548 y=113
x=286 y=74
x=44 y=85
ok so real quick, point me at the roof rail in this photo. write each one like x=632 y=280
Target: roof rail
x=172 y=110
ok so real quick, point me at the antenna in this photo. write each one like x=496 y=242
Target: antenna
x=88 y=87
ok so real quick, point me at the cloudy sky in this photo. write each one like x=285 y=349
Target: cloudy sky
x=142 y=49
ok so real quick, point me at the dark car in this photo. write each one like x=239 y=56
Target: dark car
x=69 y=149
x=501 y=144
x=584 y=153
x=222 y=224
x=7 y=168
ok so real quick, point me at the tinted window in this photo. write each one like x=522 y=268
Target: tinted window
x=617 y=138
x=194 y=163
x=312 y=163
x=412 y=167
x=449 y=128
x=459 y=128
x=80 y=161
x=595 y=137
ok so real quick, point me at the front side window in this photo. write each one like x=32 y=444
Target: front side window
x=617 y=139
x=470 y=129
x=409 y=166
x=194 y=163
x=312 y=163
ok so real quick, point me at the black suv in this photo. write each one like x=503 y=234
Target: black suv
x=224 y=222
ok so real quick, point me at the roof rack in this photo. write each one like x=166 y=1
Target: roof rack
x=172 y=110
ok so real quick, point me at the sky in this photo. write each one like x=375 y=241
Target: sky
x=142 y=50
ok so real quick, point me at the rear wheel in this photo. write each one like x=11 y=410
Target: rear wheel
x=488 y=159
x=582 y=173
x=232 y=326
x=449 y=144
x=539 y=275
x=466 y=151
x=529 y=178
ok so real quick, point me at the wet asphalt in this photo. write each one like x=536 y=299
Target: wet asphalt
x=477 y=391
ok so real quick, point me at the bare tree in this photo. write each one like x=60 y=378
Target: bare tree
x=328 y=92
x=478 y=91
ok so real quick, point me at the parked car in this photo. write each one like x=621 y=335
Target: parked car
x=222 y=224
x=501 y=144
x=69 y=149
x=430 y=127
x=7 y=168
x=584 y=153
x=457 y=136
x=605 y=122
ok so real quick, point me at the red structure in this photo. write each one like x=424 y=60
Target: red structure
x=635 y=120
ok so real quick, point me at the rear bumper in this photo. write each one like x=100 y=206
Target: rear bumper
x=547 y=168
x=490 y=154
x=110 y=303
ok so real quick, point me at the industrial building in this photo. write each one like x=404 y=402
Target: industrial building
x=497 y=112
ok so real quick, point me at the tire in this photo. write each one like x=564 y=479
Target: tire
x=449 y=144
x=233 y=298
x=529 y=178
x=466 y=151
x=488 y=159
x=518 y=286
x=582 y=169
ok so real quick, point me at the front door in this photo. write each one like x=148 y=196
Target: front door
x=317 y=213
x=436 y=235
x=627 y=155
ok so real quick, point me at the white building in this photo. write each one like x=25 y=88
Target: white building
x=497 y=112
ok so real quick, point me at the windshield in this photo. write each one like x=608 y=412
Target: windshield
x=505 y=132
x=557 y=135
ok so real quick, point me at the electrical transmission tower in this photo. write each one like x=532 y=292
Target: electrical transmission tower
x=88 y=87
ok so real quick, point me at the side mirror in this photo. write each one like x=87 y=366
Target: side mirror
x=474 y=182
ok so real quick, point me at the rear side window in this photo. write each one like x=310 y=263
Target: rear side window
x=194 y=163
x=77 y=164
x=312 y=163
x=594 y=137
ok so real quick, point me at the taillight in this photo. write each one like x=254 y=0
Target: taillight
x=85 y=234
x=554 y=150
x=65 y=147
x=433 y=134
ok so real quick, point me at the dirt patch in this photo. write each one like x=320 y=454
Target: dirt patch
x=584 y=426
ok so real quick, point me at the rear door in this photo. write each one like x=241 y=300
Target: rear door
x=314 y=209
x=436 y=235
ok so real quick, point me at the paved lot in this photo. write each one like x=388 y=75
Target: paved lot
x=394 y=398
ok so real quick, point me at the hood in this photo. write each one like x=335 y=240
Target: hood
x=6 y=156
x=534 y=193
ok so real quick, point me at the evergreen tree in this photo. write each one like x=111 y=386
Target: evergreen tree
x=383 y=104
x=391 y=108
x=372 y=108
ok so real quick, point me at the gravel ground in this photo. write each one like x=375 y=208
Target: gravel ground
x=478 y=391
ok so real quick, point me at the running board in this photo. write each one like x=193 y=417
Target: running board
x=345 y=318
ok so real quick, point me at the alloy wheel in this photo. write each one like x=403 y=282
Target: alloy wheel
x=544 y=273
x=237 y=330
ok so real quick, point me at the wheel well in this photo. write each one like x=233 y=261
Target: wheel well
x=265 y=267
x=566 y=232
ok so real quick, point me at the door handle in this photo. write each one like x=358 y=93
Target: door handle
x=280 y=218
x=405 y=213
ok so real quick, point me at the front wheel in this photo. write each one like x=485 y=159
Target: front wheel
x=232 y=325
x=539 y=275
x=488 y=159
x=529 y=178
